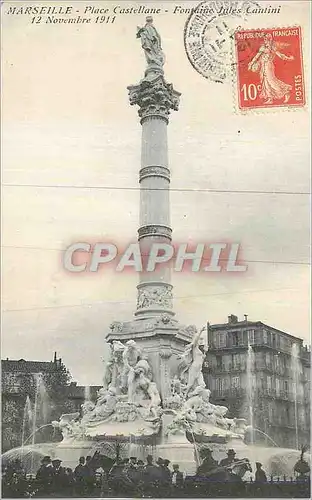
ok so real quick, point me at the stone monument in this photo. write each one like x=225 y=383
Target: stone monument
x=154 y=328
x=153 y=386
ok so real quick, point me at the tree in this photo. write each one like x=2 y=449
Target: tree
x=12 y=416
x=55 y=383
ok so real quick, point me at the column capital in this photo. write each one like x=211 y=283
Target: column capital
x=155 y=98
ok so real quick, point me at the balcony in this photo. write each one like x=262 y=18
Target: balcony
x=270 y=393
x=234 y=392
x=228 y=345
x=217 y=368
x=270 y=345
x=237 y=367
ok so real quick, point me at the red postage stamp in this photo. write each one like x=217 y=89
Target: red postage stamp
x=269 y=68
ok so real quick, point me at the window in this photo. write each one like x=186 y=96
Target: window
x=302 y=417
x=265 y=337
x=277 y=363
x=251 y=337
x=235 y=382
x=219 y=361
x=269 y=383
x=270 y=408
x=236 y=360
x=268 y=359
x=235 y=339
x=277 y=386
x=219 y=385
x=286 y=387
x=220 y=339
x=225 y=383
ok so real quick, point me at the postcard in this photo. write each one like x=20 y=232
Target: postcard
x=155 y=243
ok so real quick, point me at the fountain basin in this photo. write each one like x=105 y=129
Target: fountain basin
x=176 y=448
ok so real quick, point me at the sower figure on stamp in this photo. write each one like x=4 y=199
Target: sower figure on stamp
x=263 y=62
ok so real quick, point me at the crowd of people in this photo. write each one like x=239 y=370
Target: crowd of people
x=128 y=476
x=100 y=476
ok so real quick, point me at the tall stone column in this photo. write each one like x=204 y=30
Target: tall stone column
x=155 y=98
x=154 y=327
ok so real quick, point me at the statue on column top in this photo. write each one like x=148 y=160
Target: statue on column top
x=151 y=44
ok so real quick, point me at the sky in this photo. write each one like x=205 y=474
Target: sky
x=71 y=151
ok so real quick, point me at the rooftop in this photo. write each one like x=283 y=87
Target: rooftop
x=234 y=323
x=21 y=365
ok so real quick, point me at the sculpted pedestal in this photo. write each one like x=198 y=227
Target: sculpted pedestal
x=161 y=339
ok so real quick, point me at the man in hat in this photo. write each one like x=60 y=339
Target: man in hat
x=152 y=475
x=208 y=463
x=165 y=472
x=80 y=474
x=59 y=476
x=115 y=473
x=227 y=462
x=260 y=475
x=44 y=475
x=131 y=470
x=176 y=477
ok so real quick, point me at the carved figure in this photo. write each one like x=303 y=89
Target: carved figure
x=176 y=386
x=190 y=368
x=87 y=407
x=108 y=375
x=66 y=424
x=117 y=364
x=155 y=296
x=154 y=406
x=116 y=326
x=106 y=404
x=144 y=365
x=183 y=420
x=143 y=299
x=130 y=358
x=151 y=44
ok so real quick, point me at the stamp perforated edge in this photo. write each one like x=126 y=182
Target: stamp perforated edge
x=274 y=109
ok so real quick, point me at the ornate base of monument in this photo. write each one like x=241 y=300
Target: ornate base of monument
x=161 y=339
x=154 y=395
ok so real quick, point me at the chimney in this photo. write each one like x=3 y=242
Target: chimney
x=246 y=317
x=54 y=360
x=232 y=319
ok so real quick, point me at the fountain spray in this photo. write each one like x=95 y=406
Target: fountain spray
x=295 y=372
x=250 y=374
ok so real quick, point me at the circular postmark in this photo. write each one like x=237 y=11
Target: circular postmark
x=208 y=35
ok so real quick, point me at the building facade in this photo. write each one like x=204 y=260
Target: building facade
x=33 y=394
x=262 y=374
